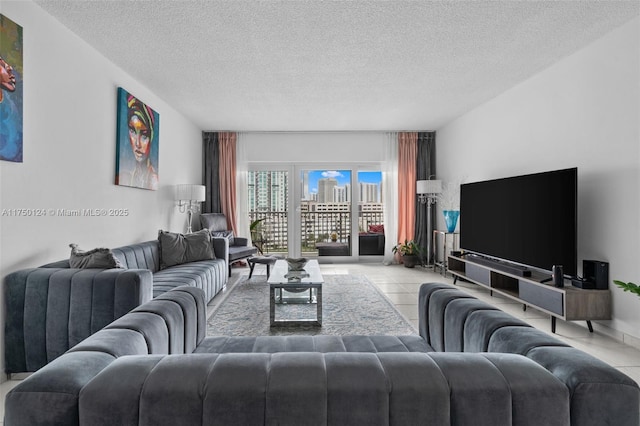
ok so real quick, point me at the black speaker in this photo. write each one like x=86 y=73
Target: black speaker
x=597 y=272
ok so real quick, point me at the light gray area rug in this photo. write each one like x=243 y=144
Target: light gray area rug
x=351 y=305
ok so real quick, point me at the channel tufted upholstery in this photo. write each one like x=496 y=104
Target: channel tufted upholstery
x=456 y=314
x=301 y=388
x=49 y=310
x=480 y=326
x=209 y=275
x=144 y=255
x=50 y=395
x=320 y=343
x=52 y=308
x=142 y=370
x=599 y=393
x=139 y=370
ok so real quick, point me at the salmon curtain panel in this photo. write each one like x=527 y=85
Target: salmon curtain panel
x=227 y=177
x=407 y=154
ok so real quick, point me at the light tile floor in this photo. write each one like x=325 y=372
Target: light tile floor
x=401 y=286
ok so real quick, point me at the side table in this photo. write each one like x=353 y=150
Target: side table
x=449 y=241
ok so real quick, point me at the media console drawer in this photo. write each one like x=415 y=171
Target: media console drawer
x=478 y=273
x=547 y=299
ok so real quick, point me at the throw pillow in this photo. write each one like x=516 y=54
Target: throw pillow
x=213 y=221
x=176 y=249
x=224 y=234
x=99 y=258
x=376 y=229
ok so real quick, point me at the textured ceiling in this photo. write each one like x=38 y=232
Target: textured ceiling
x=334 y=65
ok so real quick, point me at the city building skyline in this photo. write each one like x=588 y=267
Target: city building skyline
x=268 y=190
x=369 y=183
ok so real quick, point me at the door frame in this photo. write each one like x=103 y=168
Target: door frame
x=294 y=170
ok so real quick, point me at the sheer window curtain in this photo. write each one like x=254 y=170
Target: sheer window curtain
x=390 y=195
x=242 y=191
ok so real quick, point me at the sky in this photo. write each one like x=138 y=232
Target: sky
x=342 y=176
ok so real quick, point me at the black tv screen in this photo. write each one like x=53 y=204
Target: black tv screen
x=529 y=220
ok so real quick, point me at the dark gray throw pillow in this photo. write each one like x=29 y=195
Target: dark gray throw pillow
x=176 y=249
x=99 y=258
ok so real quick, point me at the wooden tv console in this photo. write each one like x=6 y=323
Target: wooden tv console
x=568 y=303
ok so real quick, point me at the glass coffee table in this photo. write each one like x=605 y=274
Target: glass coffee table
x=295 y=287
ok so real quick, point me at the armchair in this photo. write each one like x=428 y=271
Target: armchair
x=239 y=248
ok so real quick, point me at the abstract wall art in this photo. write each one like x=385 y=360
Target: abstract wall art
x=137 y=143
x=11 y=81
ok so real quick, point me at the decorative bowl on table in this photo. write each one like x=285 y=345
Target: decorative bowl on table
x=296 y=264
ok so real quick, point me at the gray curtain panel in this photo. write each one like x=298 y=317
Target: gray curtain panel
x=425 y=168
x=211 y=170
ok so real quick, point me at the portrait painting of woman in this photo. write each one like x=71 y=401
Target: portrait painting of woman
x=137 y=145
x=10 y=90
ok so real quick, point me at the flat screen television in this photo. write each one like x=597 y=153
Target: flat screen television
x=528 y=220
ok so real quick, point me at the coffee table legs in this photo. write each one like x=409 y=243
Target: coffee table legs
x=319 y=306
x=272 y=309
x=272 y=305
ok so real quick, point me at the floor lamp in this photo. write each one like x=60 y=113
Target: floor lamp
x=428 y=191
x=189 y=198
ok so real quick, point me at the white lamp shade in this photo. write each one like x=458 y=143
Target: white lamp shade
x=429 y=187
x=190 y=192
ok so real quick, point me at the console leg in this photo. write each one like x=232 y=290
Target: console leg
x=455 y=279
x=553 y=324
x=590 y=326
x=524 y=307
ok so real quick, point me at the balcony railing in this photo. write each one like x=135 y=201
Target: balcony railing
x=315 y=227
x=272 y=232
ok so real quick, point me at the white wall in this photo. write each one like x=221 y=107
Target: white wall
x=338 y=147
x=583 y=111
x=70 y=93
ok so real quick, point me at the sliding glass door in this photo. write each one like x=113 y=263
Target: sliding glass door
x=268 y=192
x=325 y=212
x=371 y=237
x=338 y=211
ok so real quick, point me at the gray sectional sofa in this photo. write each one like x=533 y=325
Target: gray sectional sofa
x=453 y=321
x=155 y=366
x=52 y=308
